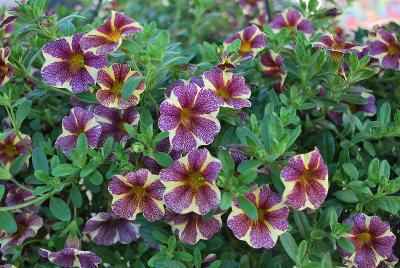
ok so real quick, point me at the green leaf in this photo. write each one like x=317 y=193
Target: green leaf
x=326 y=261
x=131 y=131
x=130 y=86
x=244 y=262
x=87 y=97
x=39 y=160
x=4 y=173
x=96 y=178
x=183 y=256
x=248 y=207
x=389 y=204
x=59 y=209
x=384 y=113
x=346 y=195
x=226 y=200
x=163 y=159
x=64 y=170
x=228 y=165
x=23 y=111
x=2 y=190
x=350 y=170
x=18 y=163
x=7 y=222
x=346 y=245
x=76 y=196
x=197 y=257
x=249 y=165
x=81 y=143
x=160 y=237
x=289 y=245
x=301 y=251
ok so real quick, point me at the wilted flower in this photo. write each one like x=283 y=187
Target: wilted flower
x=71 y=257
x=336 y=46
x=137 y=192
x=306 y=181
x=272 y=65
x=111 y=81
x=6 y=69
x=190 y=183
x=112 y=122
x=106 y=229
x=108 y=37
x=191 y=227
x=252 y=40
x=79 y=121
x=293 y=20
x=28 y=225
x=68 y=66
x=372 y=239
x=165 y=147
x=13 y=146
x=190 y=117
x=385 y=47
x=272 y=219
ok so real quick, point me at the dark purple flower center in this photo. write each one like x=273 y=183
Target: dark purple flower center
x=195 y=178
x=77 y=61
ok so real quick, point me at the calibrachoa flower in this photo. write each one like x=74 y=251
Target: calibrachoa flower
x=191 y=227
x=16 y=195
x=13 y=146
x=389 y=262
x=336 y=46
x=181 y=82
x=137 y=192
x=306 y=181
x=111 y=81
x=112 y=122
x=272 y=65
x=190 y=183
x=293 y=20
x=230 y=88
x=252 y=40
x=108 y=37
x=6 y=69
x=79 y=121
x=372 y=239
x=190 y=117
x=71 y=257
x=68 y=66
x=106 y=229
x=272 y=219
x=28 y=225
x=385 y=47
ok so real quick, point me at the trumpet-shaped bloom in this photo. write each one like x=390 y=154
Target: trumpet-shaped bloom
x=6 y=69
x=13 y=146
x=106 y=229
x=190 y=117
x=137 y=192
x=68 y=66
x=190 y=183
x=306 y=181
x=385 y=47
x=230 y=88
x=336 y=46
x=79 y=121
x=372 y=239
x=191 y=227
x=293 y=20
x=252 y=40
x=111 y=81
x=108 y=37
x=272 y=219
x=71 y=257
x=272 y=65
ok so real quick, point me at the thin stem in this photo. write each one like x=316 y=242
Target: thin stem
x=21 y=185
x=25 y=204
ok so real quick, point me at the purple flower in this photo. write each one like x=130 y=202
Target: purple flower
x=190 y=183
x=389 y=262
x=336 y=46
x=181 y=82
x=293 y=20
x=6 y=69
x=190 y=117
x=71 y=257
x=7 y=23
x=68 y=66
x=79 y=121
x=16 y=195
x=385 y=47
x=272 y=219
x=372 y=239
x=272 y=65
x=106 y=229
x=13 y=146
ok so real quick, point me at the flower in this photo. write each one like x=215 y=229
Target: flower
x=137 y=192
x=108 y=37
x=112 y=122
x=106 y=229
x=16 y=195
x=28 y=225
x=190 y=183
x=79 y=121
x=190 y=117
x=6 y=69
x=71 y=257
x=252 y=40
x=181 y=82
x=372 y=239
x=336 y=46
x=230 y=88
x=385 y=47
x=389 y=262
x=68 y=66
x=191 y=227
x=272 y=219
x=272 y=65
x=7 y=23
x=306 y=181
x=293 y=20
x=165 y=147
x=13 y=146
x=111 y=81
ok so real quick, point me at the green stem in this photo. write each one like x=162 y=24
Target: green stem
x=26 y=204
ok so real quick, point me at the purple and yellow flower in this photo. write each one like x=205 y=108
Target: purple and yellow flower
x=79 y=121
x=68 y=66
x=385 y=47
x=190 y=117
x=306 y=181
x=336 y=46
x=7 y=23
x=106 y=229
x=112 y=122
x=372 y=239
x=252 y=40
x=6 y=69
x=272 y=219
x=13 y=146
x=272 y=65
x=389 y=262
x=181 y=82
x=292 y=20
x=137 y=192
x=71 y=257
x=163 y=146
x=108 y=37
x=190 y=183
x=28 y=225
x=231 y=89
x=191 y=227
x=111 y=81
